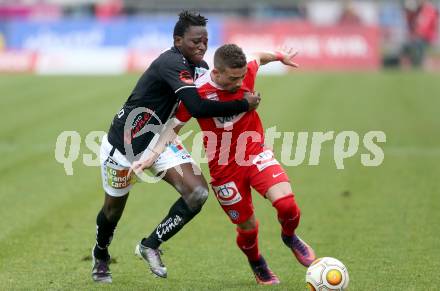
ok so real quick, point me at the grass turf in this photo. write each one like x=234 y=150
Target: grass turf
x=382 y=222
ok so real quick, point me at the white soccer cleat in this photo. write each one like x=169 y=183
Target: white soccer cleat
x=153 y=259
x=101 y=270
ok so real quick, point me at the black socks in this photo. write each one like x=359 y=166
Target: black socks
x=177 y=217
x=104 y=235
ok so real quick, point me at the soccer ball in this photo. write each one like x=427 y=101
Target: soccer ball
x=327 y=274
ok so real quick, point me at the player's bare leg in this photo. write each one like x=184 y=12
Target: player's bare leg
x=193 y=189
x=282 y=199
x=247 y=241
x=106 y=222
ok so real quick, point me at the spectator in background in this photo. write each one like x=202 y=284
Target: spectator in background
x=349 y=15
x=108 y=9
x=422 y=21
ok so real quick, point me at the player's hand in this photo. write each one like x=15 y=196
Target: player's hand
x=139 y=166
x=253 y=99
x=288 y=56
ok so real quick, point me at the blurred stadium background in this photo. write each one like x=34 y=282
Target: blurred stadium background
x=382 y=222
x=119 y=36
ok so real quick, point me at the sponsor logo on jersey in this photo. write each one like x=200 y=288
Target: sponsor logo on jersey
x=176 y=148
x=180 y=151
x=212 y=96
x=277 y=175
x=137 y=125
x=264 y=160
x=110 y=160
x=140 y=121
x=186 y=77
x=227 y=121
x=117 y=178
x=227 y=194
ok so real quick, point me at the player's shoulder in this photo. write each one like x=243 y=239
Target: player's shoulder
x=207 y=88
x=253 y=63
x=172 y=58
x=252 y=68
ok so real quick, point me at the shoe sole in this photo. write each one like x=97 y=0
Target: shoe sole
x=138 y=254
x=259 y=282
x=102 y=280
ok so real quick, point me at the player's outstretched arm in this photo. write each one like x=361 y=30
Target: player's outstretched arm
x=284 y=56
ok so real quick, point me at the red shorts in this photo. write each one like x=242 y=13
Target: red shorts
x=234 y=193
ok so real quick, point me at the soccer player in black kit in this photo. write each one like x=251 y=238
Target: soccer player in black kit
x=153 y=101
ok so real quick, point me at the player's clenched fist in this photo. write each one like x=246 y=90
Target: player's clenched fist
x=139 y=166
x=253 y=99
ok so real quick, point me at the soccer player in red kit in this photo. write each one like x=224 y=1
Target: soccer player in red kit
x=239 y=160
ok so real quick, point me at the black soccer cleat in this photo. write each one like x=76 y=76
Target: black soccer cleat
x=101 y=270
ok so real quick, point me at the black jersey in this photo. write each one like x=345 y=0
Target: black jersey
x=156 y=90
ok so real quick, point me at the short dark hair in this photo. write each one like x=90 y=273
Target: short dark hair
x=187 y=19
x=229 y=56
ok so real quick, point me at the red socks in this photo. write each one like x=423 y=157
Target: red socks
x=288 y=214
x=247 y=241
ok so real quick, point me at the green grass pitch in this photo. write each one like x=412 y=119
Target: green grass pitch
x=382 y=222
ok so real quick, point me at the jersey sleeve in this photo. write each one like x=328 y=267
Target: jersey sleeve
x=176 y=73
x=182 y=114
x=252 y=67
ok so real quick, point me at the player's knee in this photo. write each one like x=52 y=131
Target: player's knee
x=287 y=207
x=200 y=195
x=248 y=225
x=197 y=198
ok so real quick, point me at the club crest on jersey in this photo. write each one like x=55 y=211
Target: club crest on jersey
x=186 y=77
x=227 y=194
x=233 y=214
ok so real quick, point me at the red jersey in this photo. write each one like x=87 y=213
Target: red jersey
x=230 y=142
x=427 y=21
